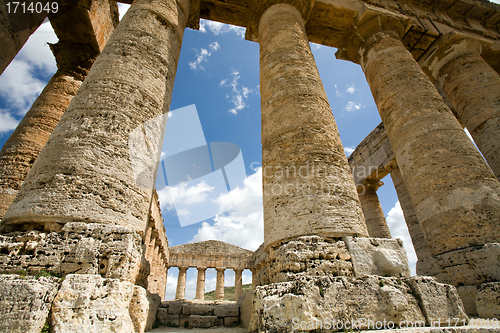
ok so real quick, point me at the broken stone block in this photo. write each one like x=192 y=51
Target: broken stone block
x=198 y=309
x=202 y=321
x=90 y=303
x=79 y=248
x=143 y=307
x=25 y=302
x=378 y=256
x=439 y=302
x=312 y=303
x=175 y=308
x=231 y=321
x=226 y=310
x=307 y=256
x=488 y=300
x=468 y=295
x=471 y=265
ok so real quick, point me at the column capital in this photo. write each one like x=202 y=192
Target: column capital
x=369 y=186
x=447 y=47
x=238 y=269
x=201 y=268
x=220 y=269
x=183 y=268
x=259 y=7
x=371 y=24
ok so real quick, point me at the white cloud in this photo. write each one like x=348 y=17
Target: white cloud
x=239 y=95
x=350 y=89
x=220 y=28
x=203 y=55
x=337 y=93
x=348 y=150
x=351 y=106
x=214 y=46
x=398 y=228
x=315 y=46
x=181 y=193
x=23 y=80
x=7 y=122
x=244 y=224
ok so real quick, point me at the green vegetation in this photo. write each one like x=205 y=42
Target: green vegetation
x=45 y=273
x=381 y=283
x=228 y=293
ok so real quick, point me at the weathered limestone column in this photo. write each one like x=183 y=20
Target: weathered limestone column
x=473 y=88
x=219 y=287
x=238 y=284
x=455 y=194
x=307 y=182
x=414 y=228
x=22 y=148
x=374 y=215
x=85 y=171
x=181 y=283
x=200 y=283
x=254 y=279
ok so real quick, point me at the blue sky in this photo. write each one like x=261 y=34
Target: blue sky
x=218 y=72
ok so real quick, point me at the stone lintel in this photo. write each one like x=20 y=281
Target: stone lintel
x=90 y=25
x=373 y=158
x=211 y=254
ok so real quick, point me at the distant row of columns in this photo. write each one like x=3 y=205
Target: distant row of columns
x=200 y=283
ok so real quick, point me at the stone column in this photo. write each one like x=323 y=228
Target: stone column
x=374 y=215
x=238 y=284
x=200 y=284
x=22 y=148
x=219 y=288
x=414 y=228
x=307 y=182
x=86 y=171
x=455 y=194
x=181 y=283
x=254 y=278
x=473 y=88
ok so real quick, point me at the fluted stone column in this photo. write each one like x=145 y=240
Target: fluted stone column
x=372 y=210
x=180 y=292
x=200 y=284
x=455 y=194
x=473 y=88
x=426 y=264
x=85 y=171
x=219 y=287
x=307 y=183
x=414 y=228
x=24 y=145
x=238 y=284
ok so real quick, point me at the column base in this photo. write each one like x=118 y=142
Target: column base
x=312 y=281
x=321 y=256
x=370 y=302
x=470 y=266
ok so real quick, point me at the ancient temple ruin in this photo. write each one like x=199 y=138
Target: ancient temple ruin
x=82 y=243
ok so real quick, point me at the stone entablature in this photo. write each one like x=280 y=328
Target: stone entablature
x=210 y=254
x=330 y=21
